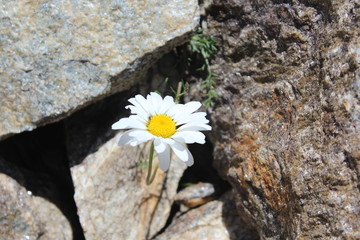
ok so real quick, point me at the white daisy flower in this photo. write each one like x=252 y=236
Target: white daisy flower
x=170 y=125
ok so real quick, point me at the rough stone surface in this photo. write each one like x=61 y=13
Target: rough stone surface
x=57 y=56
x=286 y=125
x=214 y=220
x=113 y=199
x=24 y=216
x=196 y=194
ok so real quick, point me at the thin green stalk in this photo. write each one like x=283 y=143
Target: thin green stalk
x=178 y=92
x=150 y=178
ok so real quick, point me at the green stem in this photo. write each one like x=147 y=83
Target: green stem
x=149 y=178
x=178 y=92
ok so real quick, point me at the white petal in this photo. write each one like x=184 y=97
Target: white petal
x=180 y=151
x=134 y=143
x=141 y=136
x=144 y=116
x=177 y=108
x=189 y=137
x=139 y=109
x=145 y=104
x=167 y=140
x=190 y=162
x=187 y=109
x=192 y=106
x=194 y=117
x=168 y=102
x=159 y=146
x=194 y=127
x=164 y=158
x=130 y=122
x=125 y=138
x=156 y=101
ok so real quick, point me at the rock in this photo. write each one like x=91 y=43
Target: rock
x=196 y=194
x=57 y=57
x=25 y=216
x=286 y=125
x=214 y=220
x=113 y=199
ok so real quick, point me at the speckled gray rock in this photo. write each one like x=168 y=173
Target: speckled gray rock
x=24 y=216
x=113 y=199
x=215 y=220
x=57 y=56
x=286 y=125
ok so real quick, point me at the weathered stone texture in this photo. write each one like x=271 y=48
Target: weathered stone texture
x=112 y=198
x=196 y=194
x=286 y=126
x=57 y=56
x=214 y=220
x=24 y=216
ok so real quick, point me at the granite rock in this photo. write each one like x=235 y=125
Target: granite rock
x=25 y=216
x=58 y=56
x=214 y=220
x=286 y=125
x=196 y=194
x=113 y=199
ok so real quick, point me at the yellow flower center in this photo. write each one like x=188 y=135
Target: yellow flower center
x=161 y=126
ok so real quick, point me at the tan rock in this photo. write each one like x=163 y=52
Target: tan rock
x=215 y=220
x=196 y=194
x=113 y=199
x=24 y=216
x=57 y=56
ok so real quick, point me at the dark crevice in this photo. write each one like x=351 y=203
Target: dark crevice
x=282 y=1
x=203 y=170
x=89 y=128
x=351 y=163
x=82 y=61
x=41 y=165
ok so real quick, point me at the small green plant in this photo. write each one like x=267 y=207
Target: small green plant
x=181 y=90
x=206 y=47
x=187 y=184
x=143 y=164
